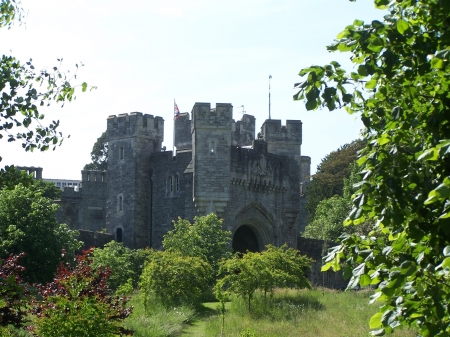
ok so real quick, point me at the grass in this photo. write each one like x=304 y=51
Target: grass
x=159 y=321
x=299 y=313
x=292 y=313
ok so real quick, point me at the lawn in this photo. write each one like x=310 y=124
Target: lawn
x=292 y=313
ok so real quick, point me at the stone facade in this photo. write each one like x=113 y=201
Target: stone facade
x=219 y=166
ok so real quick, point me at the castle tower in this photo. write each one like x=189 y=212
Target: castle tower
x=131 y=140
x=182 y=133
x=211 y=146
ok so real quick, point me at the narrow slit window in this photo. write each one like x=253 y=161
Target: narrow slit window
x=211 y=147
x=120 y=205
x=177 y=184
x=121 y=153
x=170 y=184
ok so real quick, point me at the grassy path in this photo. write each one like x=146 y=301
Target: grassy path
x=197 y=327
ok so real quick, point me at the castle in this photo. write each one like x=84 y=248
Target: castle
x=218 y=166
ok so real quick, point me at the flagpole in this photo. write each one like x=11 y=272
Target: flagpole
x=173 y=132
x=270 y=76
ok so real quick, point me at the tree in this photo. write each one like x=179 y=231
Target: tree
x=400 y=88
x=275 y=267
x=124 y=263
x=328 y=221
x=205 y=238
x=331 y=172
x=28 y=224
x=99 y=155
x=23 y=90
x=173 y=279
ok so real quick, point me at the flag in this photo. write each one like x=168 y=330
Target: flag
x=176 y=111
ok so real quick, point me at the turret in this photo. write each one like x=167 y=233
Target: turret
x=131 y=140
x=211 y=137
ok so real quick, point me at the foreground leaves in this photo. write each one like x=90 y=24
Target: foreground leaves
x=400 y=87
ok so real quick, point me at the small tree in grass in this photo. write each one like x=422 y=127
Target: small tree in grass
x=276 y=267
x=173 y=279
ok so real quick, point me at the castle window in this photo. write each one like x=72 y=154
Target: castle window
x=170 y=184
x=177 y=184
x=212 y=147
x=120 y=203
x=119 y=234
x=121 y=153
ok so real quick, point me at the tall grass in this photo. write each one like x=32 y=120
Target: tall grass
x=159 y=321
x=299 y=313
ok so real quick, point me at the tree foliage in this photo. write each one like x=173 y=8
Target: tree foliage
x=78 y=303
x=401 y=89
x=173 y=279
x=205 y=238
x=331 y=172
x=28 y=224
x=23 y=90
x=124 y=263
x=99 y=155
x=275 y=267
x=328 y=221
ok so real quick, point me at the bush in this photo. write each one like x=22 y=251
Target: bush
x=14 y=294
x=173 y=279
x=204 y=238
x=273 y=268
x=77 y=303
x=124 y=263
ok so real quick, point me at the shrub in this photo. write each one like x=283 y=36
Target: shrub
x=173 y=279
x=273 y=268
x=14 y=293
x=77 y=303
x=204 y=238
x=124 y=263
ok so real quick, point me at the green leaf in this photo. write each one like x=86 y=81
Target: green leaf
x=402 y=26
x=384 y=139
x=375 y=320
x=430 y=154
x=437 y=63
x=371 y=84
x=365 y=280
x=362 y=70
x=358 y=23
x=84 y=86
x=311 y=104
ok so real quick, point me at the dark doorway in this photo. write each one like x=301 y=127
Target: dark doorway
x=119 y=235
x=245 y=240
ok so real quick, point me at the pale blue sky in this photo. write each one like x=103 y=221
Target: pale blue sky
x=143 y=54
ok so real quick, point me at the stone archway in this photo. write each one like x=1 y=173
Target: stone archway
x=244 y=239
x=253 y=229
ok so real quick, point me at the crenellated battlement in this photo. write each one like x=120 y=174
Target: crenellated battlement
x=282 y=139
x=88 y=176
x=135 y=123
x=272 y=130
x=219 y=117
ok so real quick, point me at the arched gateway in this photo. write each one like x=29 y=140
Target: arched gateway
x=253 y=229
x=244 y=239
